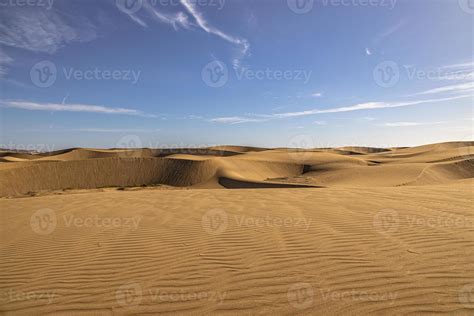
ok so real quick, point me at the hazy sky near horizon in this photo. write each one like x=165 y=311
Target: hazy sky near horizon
x=168 y=73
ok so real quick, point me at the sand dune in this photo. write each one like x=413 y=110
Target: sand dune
x=351 y=230
x=364 y=150
x=234 y=166
x=228 y=252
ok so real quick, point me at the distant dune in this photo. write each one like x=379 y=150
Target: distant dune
x=234 y=167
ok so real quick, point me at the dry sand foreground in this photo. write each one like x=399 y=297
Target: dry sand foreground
x=335 y=231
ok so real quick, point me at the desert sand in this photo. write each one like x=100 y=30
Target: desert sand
x=232 y=230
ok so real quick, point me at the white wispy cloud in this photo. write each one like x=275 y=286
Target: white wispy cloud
x=5 y=61
x=42 y=30
x=381 y=36
x=236 y=120
x=408 y=124
x=458 y=88
x=317 y=94
x=202 y=22
x=356 y=107
x=320 y=122
x=113 y=130
x=33 y=106
x=242 y=43
x=460 y=66
x=388 y=31
x=181 y=19
x=137 y=20
x=463 y=71
x=174 y=20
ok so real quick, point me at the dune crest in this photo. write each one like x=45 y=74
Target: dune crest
x=234 y=167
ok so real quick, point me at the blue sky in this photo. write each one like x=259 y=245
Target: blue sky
x=166 y=73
